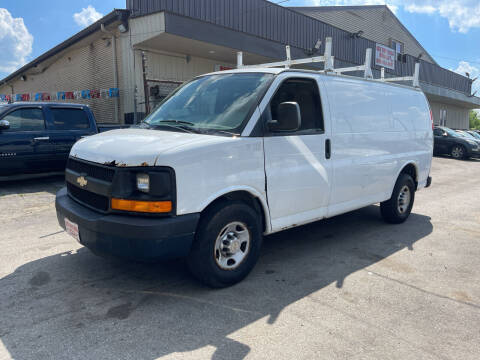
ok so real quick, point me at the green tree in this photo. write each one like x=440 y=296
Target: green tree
x=474 y=120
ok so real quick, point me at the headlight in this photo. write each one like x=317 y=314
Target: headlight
x=144 y=190
x=143 y=182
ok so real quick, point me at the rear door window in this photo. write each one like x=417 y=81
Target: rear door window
x=69 y=119
x=25 y=119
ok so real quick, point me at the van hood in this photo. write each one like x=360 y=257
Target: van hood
x=134 y=147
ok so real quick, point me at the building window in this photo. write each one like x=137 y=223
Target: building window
x=397 y=46
x=443 y=117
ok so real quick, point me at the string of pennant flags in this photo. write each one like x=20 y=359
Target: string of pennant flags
x=62 y=95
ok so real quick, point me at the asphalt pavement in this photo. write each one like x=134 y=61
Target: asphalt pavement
x=350 y=287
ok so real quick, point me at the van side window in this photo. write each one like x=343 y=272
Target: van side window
x=26 y=119
x=305 y=93
x=69 y=119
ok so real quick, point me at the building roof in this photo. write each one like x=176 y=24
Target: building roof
x=273 y=26
x=313 y=12
x=115 y=15
x=338 y=8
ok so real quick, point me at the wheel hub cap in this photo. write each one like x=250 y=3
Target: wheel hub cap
x=404 y=199
x=232 y=246
x=457 y=152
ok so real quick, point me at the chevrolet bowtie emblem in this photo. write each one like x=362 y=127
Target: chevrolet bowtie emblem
x=82 y=181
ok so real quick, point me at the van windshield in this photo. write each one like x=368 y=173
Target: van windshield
x=211 y=104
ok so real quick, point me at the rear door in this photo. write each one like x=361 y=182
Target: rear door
x=24 y=148
x=66 y=125
x=296 y=164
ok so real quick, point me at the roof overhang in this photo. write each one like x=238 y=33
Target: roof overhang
x=178 y=34
x=449 y=96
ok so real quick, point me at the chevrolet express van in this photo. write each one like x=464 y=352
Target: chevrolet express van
x=232 y=156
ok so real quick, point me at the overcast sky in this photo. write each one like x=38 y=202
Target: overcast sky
x=448 y=29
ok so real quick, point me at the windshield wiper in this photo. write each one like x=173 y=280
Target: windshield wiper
x=215 y=131
x=181 y=122
x=177 y=127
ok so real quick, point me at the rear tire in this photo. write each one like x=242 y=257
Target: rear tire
x=397 y=209
x=227 y=244
x=458 y=152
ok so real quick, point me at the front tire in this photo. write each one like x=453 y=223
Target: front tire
x=227 y=244
x=397 y=209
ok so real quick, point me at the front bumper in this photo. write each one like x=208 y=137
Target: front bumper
x=474 y=153
x=132 y=237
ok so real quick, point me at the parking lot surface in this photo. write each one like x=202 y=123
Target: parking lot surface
x=348 y=287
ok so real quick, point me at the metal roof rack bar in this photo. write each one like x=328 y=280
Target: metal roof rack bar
x=415 y=79
x=327 y=58
x=366 y=68
x=329 y=66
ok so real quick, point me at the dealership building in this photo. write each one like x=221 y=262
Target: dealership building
x=142 y=53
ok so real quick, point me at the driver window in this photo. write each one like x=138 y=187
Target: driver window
x=438 y=132
x=26 y=119
x=305 y=93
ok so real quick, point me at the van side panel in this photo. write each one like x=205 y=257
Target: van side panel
x=377 y=129
x=411 y=115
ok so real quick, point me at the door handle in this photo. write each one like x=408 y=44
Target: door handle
x=42 y=138
x=328 y=149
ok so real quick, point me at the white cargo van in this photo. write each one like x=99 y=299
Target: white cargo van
x=232 y=156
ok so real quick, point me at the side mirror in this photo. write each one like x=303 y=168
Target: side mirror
x=4 y=125
x=445 y=134
x=289 y=118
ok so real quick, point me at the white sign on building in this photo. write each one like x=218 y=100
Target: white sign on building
x=384 y=56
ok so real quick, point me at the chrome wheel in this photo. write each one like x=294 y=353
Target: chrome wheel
x=404 y=198
x=457 y=152
x=232 y=246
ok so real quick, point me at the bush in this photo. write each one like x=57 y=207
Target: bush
x=474 y=120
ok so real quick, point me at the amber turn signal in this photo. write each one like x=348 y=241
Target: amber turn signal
x=142 y=206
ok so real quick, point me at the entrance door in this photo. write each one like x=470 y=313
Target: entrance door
x=296 y=164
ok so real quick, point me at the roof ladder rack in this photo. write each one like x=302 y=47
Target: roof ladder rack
x=415 y=79
x=366 y=67
x=327 y=59
x=329 y=66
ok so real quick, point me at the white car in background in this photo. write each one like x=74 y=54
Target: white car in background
x=232 y=156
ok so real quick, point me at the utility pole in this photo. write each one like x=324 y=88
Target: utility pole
x=145 y=83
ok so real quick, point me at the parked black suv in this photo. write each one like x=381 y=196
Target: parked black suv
x=448 y=141
x=37 y=137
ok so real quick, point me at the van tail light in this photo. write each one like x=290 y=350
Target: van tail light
x=431 y=118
